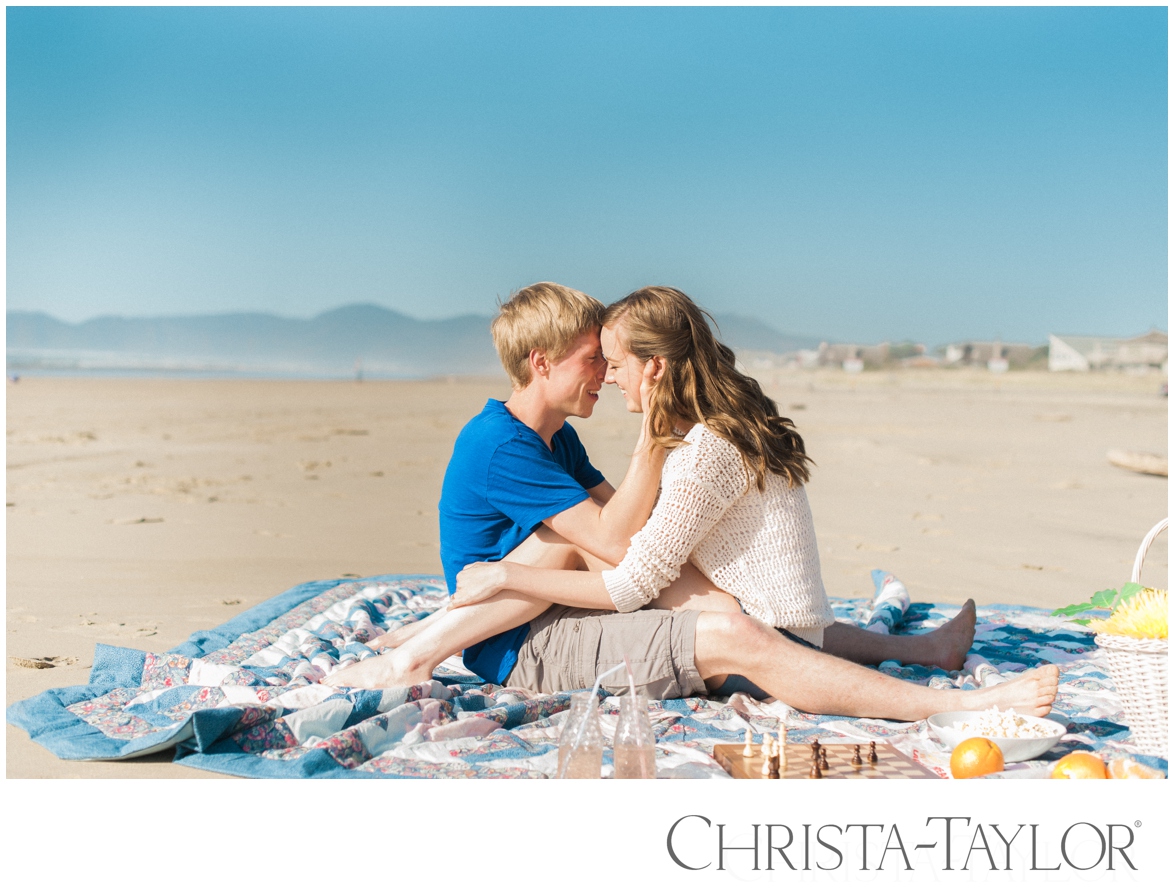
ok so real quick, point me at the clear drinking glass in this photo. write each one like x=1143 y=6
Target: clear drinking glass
x=635 y=744
x=580 y=746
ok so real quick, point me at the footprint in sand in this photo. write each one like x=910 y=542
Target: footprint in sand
x=876 y=548
x=94 y=630
x=43 y=663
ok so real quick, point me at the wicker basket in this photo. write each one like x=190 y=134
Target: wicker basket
x=1139 y=670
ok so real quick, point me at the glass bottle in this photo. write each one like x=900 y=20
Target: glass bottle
x=635 y=744
x=580 y=746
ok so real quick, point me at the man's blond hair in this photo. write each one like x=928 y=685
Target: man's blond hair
x=543 y=316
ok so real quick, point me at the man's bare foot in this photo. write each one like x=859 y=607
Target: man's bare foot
x=1031 y=693
x=383 y=671
x=948 y=645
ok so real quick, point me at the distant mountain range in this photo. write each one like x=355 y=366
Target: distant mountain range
x=379 y=341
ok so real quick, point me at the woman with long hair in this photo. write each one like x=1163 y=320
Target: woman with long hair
x=731 y=531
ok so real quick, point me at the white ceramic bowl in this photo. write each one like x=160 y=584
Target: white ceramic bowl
x=1014 y=749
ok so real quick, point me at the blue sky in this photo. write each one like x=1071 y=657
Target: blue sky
x=861 y=174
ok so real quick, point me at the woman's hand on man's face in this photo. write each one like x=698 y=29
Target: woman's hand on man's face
x=478 y=582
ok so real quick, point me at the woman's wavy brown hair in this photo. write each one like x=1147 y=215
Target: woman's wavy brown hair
x=700 y=383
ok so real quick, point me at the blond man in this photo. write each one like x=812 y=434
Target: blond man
x=519 y=488
x=519 y=475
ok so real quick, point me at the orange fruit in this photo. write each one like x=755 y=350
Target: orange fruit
x=975 y=757
x=1125 y=767
x=1080 y=765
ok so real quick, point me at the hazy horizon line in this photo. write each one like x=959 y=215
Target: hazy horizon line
x=440 y=320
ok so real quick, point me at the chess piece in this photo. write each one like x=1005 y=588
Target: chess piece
x=748 y=750
x=774 y=765
x=815 y=772
x=766 y=760
x=815 y=748
x=823 y=758
x=856 y=760
x=872 y=757
x=782 y=750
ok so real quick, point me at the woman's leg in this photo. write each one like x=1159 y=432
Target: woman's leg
x=693 y=591
x=397 y=637
x=816 y=682
x=446 y=633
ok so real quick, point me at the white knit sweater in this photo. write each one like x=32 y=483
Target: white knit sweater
x=759 y=546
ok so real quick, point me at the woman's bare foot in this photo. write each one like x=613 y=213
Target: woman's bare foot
x=948 y=645
x=1031 y=693
x=387 y=670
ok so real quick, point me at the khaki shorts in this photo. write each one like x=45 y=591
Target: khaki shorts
x=568 y=647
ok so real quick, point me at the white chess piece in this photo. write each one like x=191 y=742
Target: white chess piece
x=748 y=750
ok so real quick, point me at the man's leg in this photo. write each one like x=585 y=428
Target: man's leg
x=945 y=647
x=816 y=682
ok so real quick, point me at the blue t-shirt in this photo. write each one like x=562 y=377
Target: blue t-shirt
x=502 y=482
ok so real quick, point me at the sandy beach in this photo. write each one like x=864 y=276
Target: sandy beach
x=139 y=511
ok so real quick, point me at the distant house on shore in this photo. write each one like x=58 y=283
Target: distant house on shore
x=851 y=357
x=996 y=355
x=1148 y=351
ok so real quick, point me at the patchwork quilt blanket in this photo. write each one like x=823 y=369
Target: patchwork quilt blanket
x=245 y=698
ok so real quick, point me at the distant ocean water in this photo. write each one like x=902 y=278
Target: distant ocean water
x=340 y=344
x=70 y=363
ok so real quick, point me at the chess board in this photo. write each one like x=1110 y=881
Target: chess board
x=891 y=763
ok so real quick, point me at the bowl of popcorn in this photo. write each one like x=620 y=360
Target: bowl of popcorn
x=1019 y=737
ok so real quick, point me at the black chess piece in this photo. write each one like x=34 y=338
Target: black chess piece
x=872 y=757
x=815 y=772
x=774 y=767
x=823 y=758
x=856 y=760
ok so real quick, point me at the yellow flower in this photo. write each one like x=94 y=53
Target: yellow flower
x=1144 y=616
